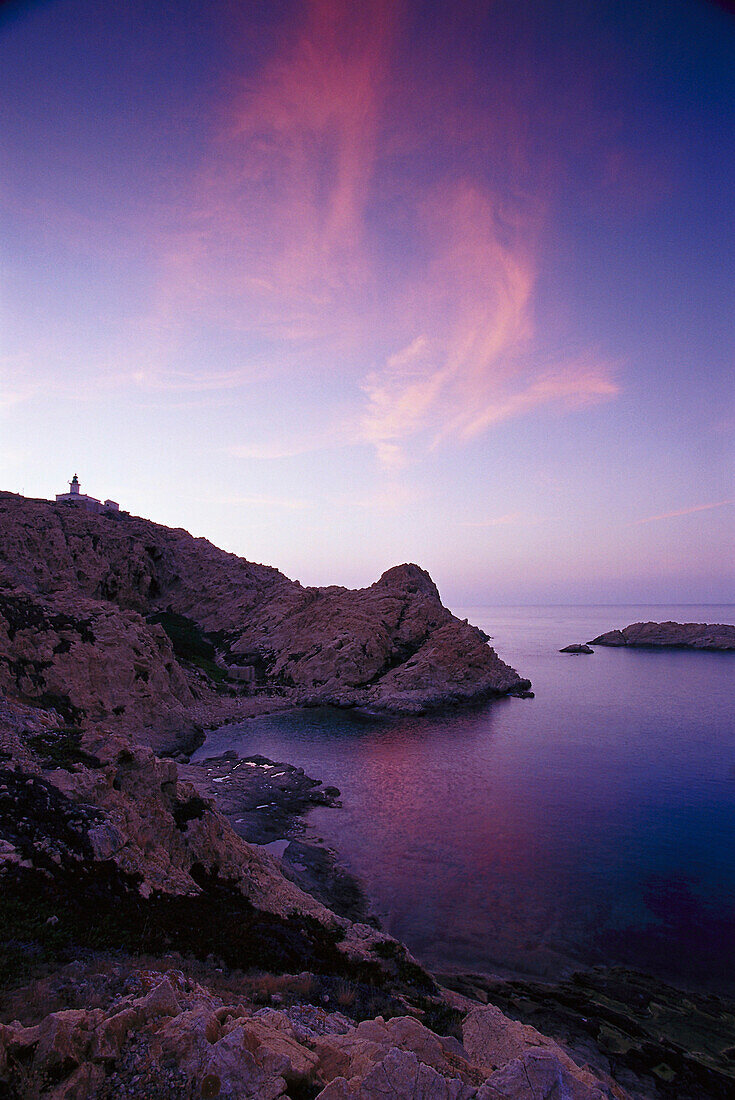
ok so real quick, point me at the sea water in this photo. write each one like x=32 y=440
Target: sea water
x=592 y=824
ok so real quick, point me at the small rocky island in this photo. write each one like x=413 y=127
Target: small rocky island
x=719 y=636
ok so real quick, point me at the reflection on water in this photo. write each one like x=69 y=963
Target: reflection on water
x=593 y=823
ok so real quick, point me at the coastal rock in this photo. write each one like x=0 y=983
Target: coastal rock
x=352 y=1056
x=531 y=1061
x=577 y=648
x=628 y=1026
x=179 y=1038
x=117 y=618
x=399 y=1076
x=92 y=661
x=128 y=809
x=95 y=830
x=719 y=636
x=538 y=1075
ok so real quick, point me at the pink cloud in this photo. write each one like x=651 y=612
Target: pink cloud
x=685 y=511
x=510 y=519
x=472 y=366
x=282 y=242
x=285 y=195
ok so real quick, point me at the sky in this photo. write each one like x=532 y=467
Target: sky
x=338 y=286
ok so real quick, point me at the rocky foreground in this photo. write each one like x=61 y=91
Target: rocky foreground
x=149 y=951
x=115 y=618
x=719 y=636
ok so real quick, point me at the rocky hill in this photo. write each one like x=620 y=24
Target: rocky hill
x=112 y=617
x=675 y=635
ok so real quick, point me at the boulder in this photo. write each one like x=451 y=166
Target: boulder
x=538 y=1075
x=161 y=1001
x=398 y=1076
x=299 y=1062
x=577 y=647
x=244 y=1069
x=352 y=1055
x=492 y=1039
x=494 y=1042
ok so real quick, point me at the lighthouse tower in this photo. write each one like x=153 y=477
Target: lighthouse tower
x=75 y=496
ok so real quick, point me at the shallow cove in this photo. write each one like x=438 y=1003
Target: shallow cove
x=592 y=824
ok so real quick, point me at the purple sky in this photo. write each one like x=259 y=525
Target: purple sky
x=341 y=285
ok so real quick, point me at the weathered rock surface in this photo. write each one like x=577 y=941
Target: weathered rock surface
x=173 y=1037
x=115 y=617
x=493 y=1041
x=680 y=635
x=576 y=648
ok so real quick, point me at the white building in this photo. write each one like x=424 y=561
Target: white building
x=90 y=503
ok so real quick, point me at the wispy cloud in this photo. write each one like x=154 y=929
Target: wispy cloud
x=684 y=512
x=296 y=444
x=9 y=398
x=289 y=504
x=472 y=366
x=158 y=380
x=509 y=519
x=289 y=240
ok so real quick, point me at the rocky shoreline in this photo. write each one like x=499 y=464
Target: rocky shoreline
x=265 y=802
x=150 y=951
x=651 y=1038
x=153 y=946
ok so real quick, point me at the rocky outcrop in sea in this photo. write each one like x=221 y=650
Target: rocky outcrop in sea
x=676 y=635
x=115 y=618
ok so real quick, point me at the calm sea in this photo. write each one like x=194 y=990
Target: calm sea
x=592 y=824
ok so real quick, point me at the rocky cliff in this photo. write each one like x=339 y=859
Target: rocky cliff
x=678 y=635
x=117 y=618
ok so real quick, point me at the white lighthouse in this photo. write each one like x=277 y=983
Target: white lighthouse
x=74 y=496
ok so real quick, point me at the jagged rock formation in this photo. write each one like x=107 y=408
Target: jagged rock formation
x=679 y=635
x=117 y=618
x=174 y=1037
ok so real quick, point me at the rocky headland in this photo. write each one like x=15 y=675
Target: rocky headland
x=115 y=618
x=718 y=636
